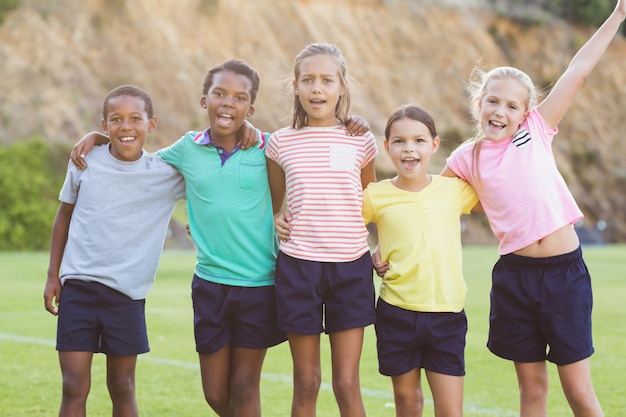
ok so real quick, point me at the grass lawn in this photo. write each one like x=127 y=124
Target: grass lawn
x=168 y=381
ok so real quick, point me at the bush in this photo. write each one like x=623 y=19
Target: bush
x=31 y=175
x=6 y=6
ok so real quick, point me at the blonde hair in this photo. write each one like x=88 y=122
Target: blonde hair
x=299 y=118
x=479 y=80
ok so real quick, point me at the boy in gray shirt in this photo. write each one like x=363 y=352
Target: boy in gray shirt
x=106 y=243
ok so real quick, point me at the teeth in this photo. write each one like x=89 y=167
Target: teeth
x=127 y=139
x=225 y=115
x=493 y=122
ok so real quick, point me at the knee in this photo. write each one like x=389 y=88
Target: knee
x=75 y=388
x=218 y=401
x=582 y=399
x=121 y=387
x=533 y=391
x=345 y=387
x=409 y=403
x=307 y=386
x=244 y=392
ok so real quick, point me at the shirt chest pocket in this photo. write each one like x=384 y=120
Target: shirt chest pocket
x=342 y=157
x=252 y=175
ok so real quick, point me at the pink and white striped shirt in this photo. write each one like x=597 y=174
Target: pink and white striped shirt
x=322 y=168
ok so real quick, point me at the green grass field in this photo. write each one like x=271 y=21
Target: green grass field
x=168 y=382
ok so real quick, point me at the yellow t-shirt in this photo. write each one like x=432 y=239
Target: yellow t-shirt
x=420 y=235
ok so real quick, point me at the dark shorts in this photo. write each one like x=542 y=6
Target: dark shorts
x=242 y=316
x=96 y=318
x=541 y=309
x=339 y=294
x=407 y=340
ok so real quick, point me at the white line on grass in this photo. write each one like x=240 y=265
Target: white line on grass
x=268 y=376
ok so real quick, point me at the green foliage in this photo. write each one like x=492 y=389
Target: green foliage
x=31 y=174
x=588 y=12
x=6 y=6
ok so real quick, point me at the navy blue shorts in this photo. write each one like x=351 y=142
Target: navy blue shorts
x=407 y=340
x=339 y=294
x=541 y=309
x=97 y=318
x=242 y=316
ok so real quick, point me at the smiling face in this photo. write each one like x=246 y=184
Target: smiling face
x=503 y=108
x=228 y=103
x=319 y=86
x=127 y=124
x=410 y=146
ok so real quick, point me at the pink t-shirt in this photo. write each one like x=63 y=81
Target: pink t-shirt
x=521 y=190
x=324 y=192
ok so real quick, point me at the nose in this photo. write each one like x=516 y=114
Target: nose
x=317 y=86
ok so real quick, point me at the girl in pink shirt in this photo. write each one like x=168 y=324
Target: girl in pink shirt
x=541 y=290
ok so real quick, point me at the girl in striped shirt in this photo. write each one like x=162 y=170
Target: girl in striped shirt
x=324 y=270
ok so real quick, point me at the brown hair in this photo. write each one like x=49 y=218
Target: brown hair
x=414 y=112
x=299 y=118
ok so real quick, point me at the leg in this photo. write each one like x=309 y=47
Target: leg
x=346 y=347
x=121 y=384
x=532 y=378
x=246 y=380
x=215 y=374
x=407 y=394
x=76 y=372
x=307 y=373
x=447 y=394
x=578 y=389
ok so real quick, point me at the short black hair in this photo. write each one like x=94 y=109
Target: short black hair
x=239 y=67
x=129 y=90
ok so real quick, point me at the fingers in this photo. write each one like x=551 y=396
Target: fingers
x=78 y=157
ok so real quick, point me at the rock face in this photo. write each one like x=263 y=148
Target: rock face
x=60 y=58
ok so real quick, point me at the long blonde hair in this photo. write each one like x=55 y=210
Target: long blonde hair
x=299 y=118
x=476 y=88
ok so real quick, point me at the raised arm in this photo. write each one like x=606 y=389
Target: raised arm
x=554 y=107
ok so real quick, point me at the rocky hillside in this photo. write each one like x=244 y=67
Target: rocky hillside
x=60 y=58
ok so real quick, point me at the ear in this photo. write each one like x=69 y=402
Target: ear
x=386 y=143
x=344 y=88
x=250 y=111
x=295 y=87
x=436 y=143
x=105 y=128
x=152 y=124
x=203 y=102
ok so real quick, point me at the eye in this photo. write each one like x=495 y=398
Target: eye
x=136 y=118
x=240 y=98
x=115 y=120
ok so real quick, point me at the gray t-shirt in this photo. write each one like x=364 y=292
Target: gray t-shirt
x=120 y=219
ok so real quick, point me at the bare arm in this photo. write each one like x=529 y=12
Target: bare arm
x=276 y=178
x=368 y=173
x=554 y=107
x=60 y=228
x=84 y=145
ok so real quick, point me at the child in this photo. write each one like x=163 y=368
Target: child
x=541 y=289
x=420 y=321
x=324 y=268
x=107 y=238
x=231 y=223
